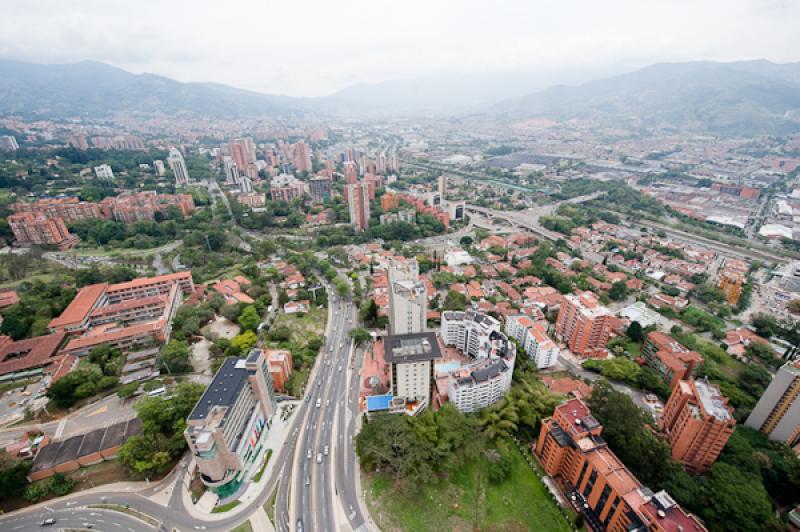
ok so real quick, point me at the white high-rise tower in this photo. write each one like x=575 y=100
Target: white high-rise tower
x=178 y=165
x=408 y=298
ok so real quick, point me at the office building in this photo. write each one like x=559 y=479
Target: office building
x=486 y=381
x=227 y=427
x=410 y=358
x=33 y=229
x=533 y=338
x=160 y=169
x=104 y=171
x=231 y=170
x=584 y=325
x=777 y=413
x=358 y=202
x=408 y=299
x=470 y=332
x=178 y=166
x=571 y=450
x=8 y=143
x=320 y=189
x=698 y=422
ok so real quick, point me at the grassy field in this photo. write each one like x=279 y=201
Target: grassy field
x=304 y=326
x=467 y=501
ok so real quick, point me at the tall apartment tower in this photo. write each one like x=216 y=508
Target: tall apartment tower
x=350 y=173
x=408 y=298
x=358 y=201
x=178 y=165
x=698 y=423
x=380 y=163
x=245 y=184
x=238 y=150
x=320 y=189
x=231 y=170
x=441 y=185
x=584 y=325
x=160 y=170
x=302 y=157
x=777 y=413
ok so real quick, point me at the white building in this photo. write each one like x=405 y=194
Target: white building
x=410 y=358
x=408 y=301
x=104 y=171
x=159 y=167
x=457 y=257
x=481 y=384
x=470 y=332
x=245 y=184
x=178 y=165
x=231 y=170
x=8 y=143
x=533 y=339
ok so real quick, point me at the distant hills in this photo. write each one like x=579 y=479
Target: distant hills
x=741 y=98
x=95 y=89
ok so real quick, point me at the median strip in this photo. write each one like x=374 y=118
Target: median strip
x=129 y=511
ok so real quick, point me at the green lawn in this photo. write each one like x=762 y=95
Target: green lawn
x=304 y=325
x=467 y=500
x=226 y=507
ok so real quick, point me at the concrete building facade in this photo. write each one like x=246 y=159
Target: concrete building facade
x=777 y=413
x=226 y=428
x=584 y=325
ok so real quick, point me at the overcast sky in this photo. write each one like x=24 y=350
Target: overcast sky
x=311 y=48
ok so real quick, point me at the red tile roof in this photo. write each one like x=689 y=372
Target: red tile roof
x=80 y=306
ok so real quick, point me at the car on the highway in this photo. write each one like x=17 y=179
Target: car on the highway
x=325 y=450
x=308 y=454
x=308 y=480
x=319 y=403
x=49 y=521
x=319 y=458
x=299 y=527
x=327 y=403
x=88 y=525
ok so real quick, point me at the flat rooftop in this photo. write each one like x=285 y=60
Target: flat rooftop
x=407 y=348
x=223 y=390
x=713 y=401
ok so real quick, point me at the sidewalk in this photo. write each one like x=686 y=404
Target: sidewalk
x=275 y=439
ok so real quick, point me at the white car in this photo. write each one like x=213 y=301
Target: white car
x=325 y=450
x=319 y=458
x=308 y=454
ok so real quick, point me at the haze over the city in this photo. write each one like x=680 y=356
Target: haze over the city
x=316 y=48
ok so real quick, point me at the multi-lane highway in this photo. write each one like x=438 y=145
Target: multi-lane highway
x=312 y=495
x=323 y=492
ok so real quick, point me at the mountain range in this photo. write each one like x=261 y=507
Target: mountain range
x=738 y=98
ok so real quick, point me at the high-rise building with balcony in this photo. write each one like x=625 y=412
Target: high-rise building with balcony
x=777 y=413
x=358 y=202
x=408 y=300
x=178 y=166
x=698 y=423
x=302 y=157
x=533 y=339
x=320 y=189
x=584 y=325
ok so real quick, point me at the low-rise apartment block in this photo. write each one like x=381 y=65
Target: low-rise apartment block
x=485 y=381
x=571 y=450
x=34 y=229
x=533 y=339
x=470 y=332
x=669 y=358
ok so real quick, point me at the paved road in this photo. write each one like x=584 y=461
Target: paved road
x=74 y=515
x=323 y=486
